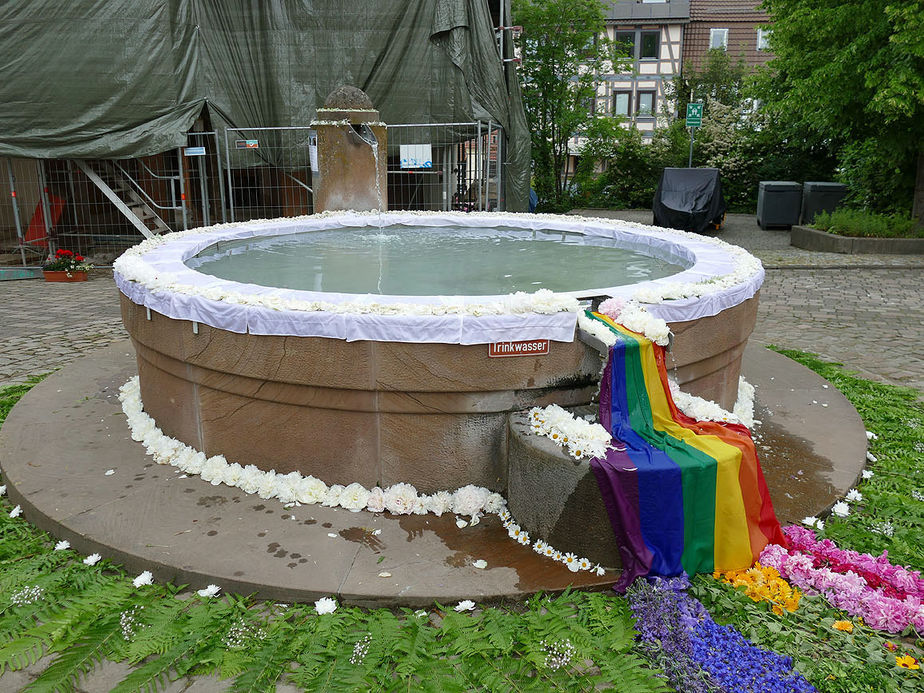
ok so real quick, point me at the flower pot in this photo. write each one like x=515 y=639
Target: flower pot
x=62 y=276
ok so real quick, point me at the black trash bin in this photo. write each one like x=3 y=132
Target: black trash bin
x=778 y=203
x=689 y=199
x=818 y=197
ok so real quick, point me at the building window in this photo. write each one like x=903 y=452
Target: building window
x=621 y=103
x=763 y=39
x=718 y=38
x=625 y=41
x=650 y=41
x=645 y=103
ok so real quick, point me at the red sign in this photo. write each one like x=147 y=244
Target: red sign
x=529 y=347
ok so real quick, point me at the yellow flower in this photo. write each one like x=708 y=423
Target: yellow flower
x=845 y=626
x=907 y=662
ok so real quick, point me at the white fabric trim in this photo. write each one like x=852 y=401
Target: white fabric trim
x=153 y=274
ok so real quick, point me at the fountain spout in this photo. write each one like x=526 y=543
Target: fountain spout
x=352 y=154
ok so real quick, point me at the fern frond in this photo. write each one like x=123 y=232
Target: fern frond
x=78 y=659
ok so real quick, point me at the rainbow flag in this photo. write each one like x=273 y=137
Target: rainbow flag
x=683 y=496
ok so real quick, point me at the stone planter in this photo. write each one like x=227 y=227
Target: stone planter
x=62 y=276
x=812 y=239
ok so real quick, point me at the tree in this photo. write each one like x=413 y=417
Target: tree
x=563 y=49
x=852 y=72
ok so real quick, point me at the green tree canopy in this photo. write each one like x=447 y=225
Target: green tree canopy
x=563 y=50
x=852 y=71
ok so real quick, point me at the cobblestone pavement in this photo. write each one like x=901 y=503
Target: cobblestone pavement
x=832 y=304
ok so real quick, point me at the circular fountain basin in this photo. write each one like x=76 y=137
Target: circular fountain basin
x=378 y=387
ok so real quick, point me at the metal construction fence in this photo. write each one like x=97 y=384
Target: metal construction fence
x=100 y=207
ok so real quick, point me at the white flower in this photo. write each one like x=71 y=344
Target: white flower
x=570 y=560
x=871 y=457
x=354 y=497
x=420 y=505
x=266 y=486
x=481 y=564
x=16 y=512
x=214 y=469
x=439 y=503
x=841 y=509
x=146 y=578
x=332 y=499
x=250 y=479
x=63 y=545
x=464 y=605
x=599 y=570
x=820 y=525
x=209 y=591
x=584 y=564
x=325 y=605
x=539 y=546
x=232 y=475
x=400 y=499
x=3 y=490
x=867 y=473
x=469 y=500
x=810 y=521
x=460 y=523
x=376 y=501
x=109 y=472
x=494 y=503
x=871 y=436
x=92 y=559
x=853 y=495
x=287 y=487
x=311 y=490
x=523 y=538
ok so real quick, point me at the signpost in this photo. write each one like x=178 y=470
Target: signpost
x=694 y=120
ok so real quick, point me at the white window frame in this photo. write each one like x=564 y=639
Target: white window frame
x=723 y=41
x=638 y=103
x=628 y=95
x=763 y=38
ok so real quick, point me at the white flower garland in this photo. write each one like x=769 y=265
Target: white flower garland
x=582 y=439
x=130 y=266
x=630 y=315
x=574 y=433
x=295 y=489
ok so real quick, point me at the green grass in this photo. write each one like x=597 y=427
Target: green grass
x=862 y=224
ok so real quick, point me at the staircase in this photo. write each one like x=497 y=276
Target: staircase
x=126 y=195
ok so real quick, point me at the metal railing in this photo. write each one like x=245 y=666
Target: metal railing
x=237 y=175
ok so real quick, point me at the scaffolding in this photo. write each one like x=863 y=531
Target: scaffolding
x=100 y=207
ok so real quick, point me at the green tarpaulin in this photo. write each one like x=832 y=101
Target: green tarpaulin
x=128 y=78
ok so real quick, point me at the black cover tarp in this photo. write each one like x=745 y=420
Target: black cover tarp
x=128 y=78
x=689 y=199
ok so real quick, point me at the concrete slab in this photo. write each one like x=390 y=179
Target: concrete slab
x=60 y=440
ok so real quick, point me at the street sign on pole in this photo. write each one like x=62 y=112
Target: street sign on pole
x=694 y=115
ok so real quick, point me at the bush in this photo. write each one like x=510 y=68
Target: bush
x=865 y=224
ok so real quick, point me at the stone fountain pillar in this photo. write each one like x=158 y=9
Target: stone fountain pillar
x=352 y=154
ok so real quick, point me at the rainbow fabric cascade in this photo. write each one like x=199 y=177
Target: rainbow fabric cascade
x=683 y=496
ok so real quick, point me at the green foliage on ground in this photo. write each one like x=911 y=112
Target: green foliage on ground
x=51 y=603
x=894 y=496
x=889 y=518
x=863 y=224
x=833 y=661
